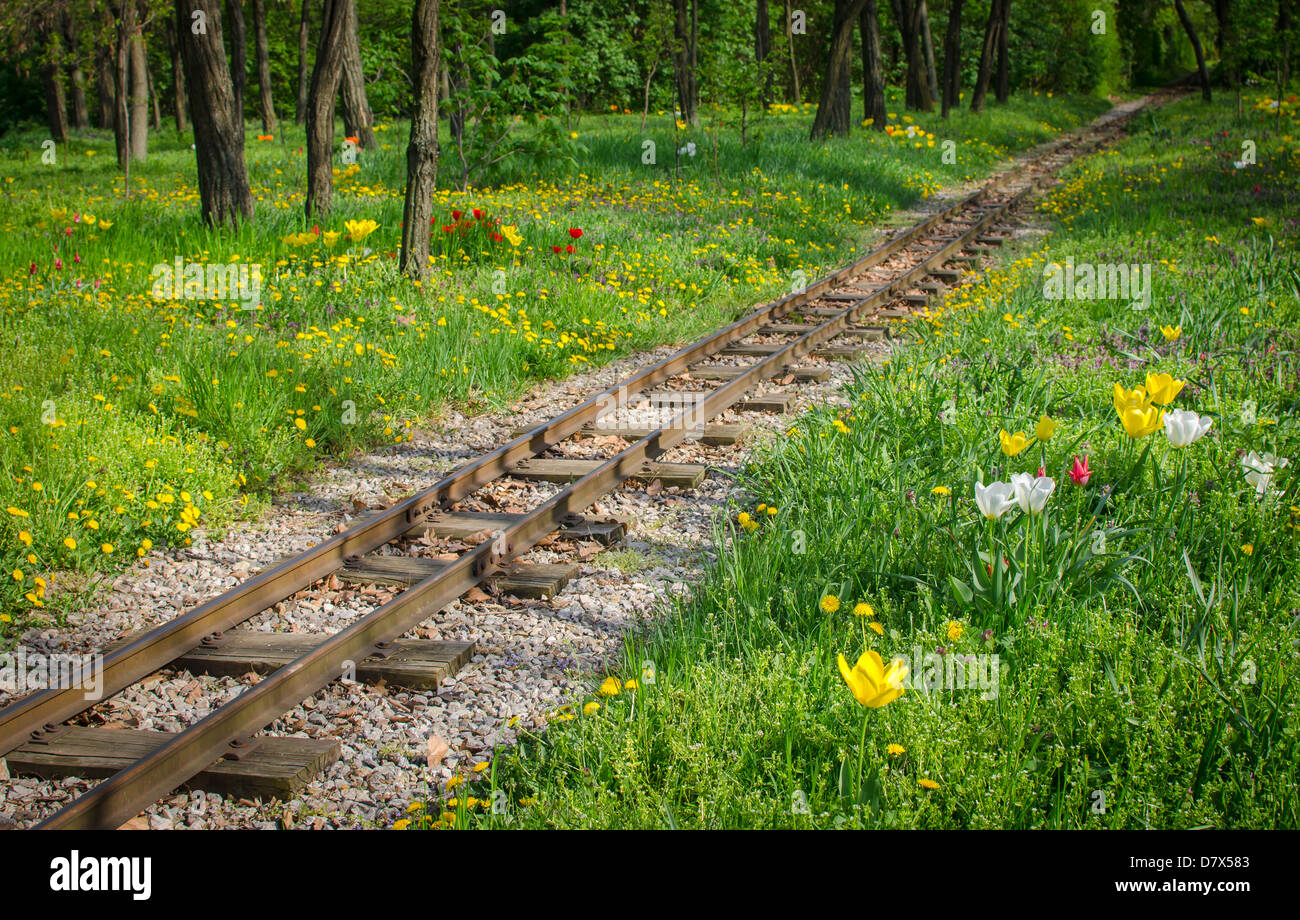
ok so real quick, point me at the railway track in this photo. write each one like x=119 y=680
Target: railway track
x=654 y=410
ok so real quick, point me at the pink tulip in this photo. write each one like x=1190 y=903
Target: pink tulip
x=1079 y=473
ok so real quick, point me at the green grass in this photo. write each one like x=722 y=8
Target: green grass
x=127 y=420
x=1146 y=624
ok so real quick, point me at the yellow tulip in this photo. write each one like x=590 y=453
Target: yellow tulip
x=1140 y=422
x=358 y=230
x=1045 y=429
x=1163 y=388
x=872 y=683
x=1013 y=444
x=1171 y=332
x=1135 y=398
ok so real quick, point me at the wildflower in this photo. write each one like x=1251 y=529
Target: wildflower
x=610 y=687
x=1259 y=469
x=358 y=230
x=591 y=708
x=995 y=499
x=481 y=767
x=1013 y=444
x=107 y=549
x=1184 y=427
x=1162 y=388
x=863 y=609
x=894 y=750
x=1079 y=473
x=630 y=684
x=840 y=426
x=955 y=629
x=1171 y=332
x=1032 y=492
x=872 y=683
x=830 y=603
x=1045 y=429
x=25 y=537
x=941 y=490
x=876 y=628
x=1248 y=549
x=928 y=784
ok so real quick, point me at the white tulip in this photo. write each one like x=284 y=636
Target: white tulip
x=1184 y=427
x=1259 y=470
x=1032 y=492
x=995 y=499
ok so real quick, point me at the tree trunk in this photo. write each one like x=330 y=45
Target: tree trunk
x=325 y=78
x=763 y=47
x=952 y=58
x=917 y=93
x=238 y=55
x=685 y=33
x=56 y=107
x=873 y=79
x=1196 y=47
x=139 y=119
x=1225 y=41
x=1004 y=37
x=76 y=76
x=304 y=23
x=358 y=120
x=263 y=67
x=422 y=150
x=105 y=88
x=126 y=29
x=834 y=110
x=986 y=57
x=1284 y=53
x=178 y=77
x=154 y=104
x=794 y=64
x=927 y=44
x=224 y=193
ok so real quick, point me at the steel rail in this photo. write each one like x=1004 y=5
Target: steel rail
x=132 y=789
x=146 y=653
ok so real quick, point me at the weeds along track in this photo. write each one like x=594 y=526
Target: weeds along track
x=458 y=535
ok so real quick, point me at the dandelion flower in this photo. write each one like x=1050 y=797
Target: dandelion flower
x=830 y=603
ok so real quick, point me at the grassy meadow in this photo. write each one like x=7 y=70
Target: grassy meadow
x=1118 y=648
x=130 y=415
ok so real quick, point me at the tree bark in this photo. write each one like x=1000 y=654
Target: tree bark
x=917 y=93
x=1225 y=41
x=422 y=149
x=763 y=47
x=358 y=120
x=76 y=75
x=139 y=119
x=238 y=54
x=325 y=78
x=1196 y=47
x=685 y=34
x=986 y=57
x=927 y=45
x=178 y=77
x=126 y=29
x=304 y=24
x=873 y=79
x=105 y=88
x=154 y=103
x=834 y=110
x=56 y=106
x=1004 y=37
x=952 y=58
x=263 y=55
x=224 y=193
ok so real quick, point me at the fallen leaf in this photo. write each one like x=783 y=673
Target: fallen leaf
x=438 y=749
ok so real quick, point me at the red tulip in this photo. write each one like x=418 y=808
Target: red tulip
x=478 y=214
x=555 y=249
x=569 y=248
x=1079 y=473
x=1041 y=472
x=455 y=215
x=31 y=269
x=447 y=228
x=575 y=232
